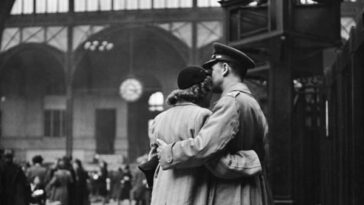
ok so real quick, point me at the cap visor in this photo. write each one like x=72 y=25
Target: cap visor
x=250 y=64
x=208 y=64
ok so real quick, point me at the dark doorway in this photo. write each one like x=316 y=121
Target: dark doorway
x=105 y=131
x=138 y=117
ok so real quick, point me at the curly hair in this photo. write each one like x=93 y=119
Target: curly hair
x=194 y=94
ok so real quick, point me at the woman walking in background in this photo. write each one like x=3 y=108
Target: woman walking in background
x=59 y=184
x=125 y=184
x=101 y=182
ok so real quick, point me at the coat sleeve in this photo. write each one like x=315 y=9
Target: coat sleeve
x=229 y=165
x=218 y=130
x=196 y=126
x=240 y=164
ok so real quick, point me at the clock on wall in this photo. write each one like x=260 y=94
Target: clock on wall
x=131 y=89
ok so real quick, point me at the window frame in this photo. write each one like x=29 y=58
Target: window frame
x=50 y=124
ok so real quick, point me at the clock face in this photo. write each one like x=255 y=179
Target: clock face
x=131 y=89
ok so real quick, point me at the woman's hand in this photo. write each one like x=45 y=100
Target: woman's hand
x=161 y=145
x=153 y=151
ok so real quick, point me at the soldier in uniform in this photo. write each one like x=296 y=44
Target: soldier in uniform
x=236 y=123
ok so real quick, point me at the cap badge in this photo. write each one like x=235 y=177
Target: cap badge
x=216 y=56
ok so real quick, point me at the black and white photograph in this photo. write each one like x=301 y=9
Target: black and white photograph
x=181 y=102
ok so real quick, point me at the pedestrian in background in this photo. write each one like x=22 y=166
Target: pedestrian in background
x=125 y=184
x=37 y=170
x=38 y=194
x=81 y=192
x=59 y=184
x=14 y=188
x=140 y=192
x=71 y=186
x=101 y=182
x=115 y=183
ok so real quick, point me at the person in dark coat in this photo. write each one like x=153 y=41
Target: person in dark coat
x=37 y=170
x=140 y=192
x=115 y=184
x=49 y=176
x=81 y=192
x=15 y=189
x=71 y=186
x=101 y=182
x=125 y=181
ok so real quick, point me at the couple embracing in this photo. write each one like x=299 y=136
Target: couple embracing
x=211 y=157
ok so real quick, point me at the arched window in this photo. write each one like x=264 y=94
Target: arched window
x=156 y=101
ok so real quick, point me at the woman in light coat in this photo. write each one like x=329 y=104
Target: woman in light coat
x=189 y=184
x=59 y=184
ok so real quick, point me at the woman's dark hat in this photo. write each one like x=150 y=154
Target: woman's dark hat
x=229 y=54
x=191 y=75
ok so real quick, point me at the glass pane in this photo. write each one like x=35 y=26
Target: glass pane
x=28 y=6
x=57 y=37
x=132 y=4
x=80 y=35
x=92 y=5
x=33 y=34
x=17 y=7
x=159 y=4
x=47 y=123
x=11 y=38
x=215 y=3
x=185 y=3
x=119 y=4
x=172 y=3
x=145 y=4
x=52 y=6
x=63 y=118
x=203 y=3
x=63 y=6
x=183 y=31
x=56 y=123
x=208 y=32
x=80 y=5
x=105 y=5
x=41 y=6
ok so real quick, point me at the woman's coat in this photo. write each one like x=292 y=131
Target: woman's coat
x=187 y=185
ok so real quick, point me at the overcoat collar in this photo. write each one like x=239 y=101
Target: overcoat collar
x=241 y=87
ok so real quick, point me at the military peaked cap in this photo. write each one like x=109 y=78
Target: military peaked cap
x=229 y=54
